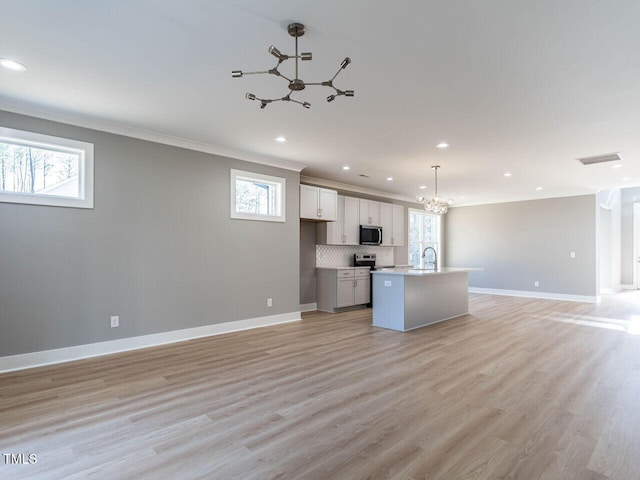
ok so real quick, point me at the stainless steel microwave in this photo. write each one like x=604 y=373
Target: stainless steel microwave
x=370 y=235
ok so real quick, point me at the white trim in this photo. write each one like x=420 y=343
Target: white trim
x=84 y=151
x=280 y=186
x=309 y=307
x=104 y=126
x=627 y=287
x=321 y=182
x=543 y=295
x=48 y=357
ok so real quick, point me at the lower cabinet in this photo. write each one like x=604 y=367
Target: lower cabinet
x=342 y=287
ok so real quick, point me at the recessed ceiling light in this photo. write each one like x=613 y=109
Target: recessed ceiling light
x=508 y=174
x=280 y=139
x=442 y=145
x=626 y=179
x=617 y=166
x=12 y=65
x=346 y=167
x=538 y=188
x=389 y=179
x=422 y=187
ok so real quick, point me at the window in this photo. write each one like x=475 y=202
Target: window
x=257 y=197
x=424 y=231
x=44 y=170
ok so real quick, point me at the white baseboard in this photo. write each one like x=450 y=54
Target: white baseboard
x=627 y=287
x=309 y=307
x=543 y=295
x=48 y=357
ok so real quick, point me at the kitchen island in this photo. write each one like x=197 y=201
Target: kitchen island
x=409 y=298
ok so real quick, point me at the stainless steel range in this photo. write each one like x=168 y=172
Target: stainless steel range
x=366 y=260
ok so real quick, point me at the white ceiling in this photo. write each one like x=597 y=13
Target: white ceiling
x=518 y=86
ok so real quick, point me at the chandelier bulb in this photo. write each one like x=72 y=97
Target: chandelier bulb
x=331 y=98
x=345 y=63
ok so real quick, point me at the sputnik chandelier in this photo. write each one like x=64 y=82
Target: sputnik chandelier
x=435 y=204
x=296 y=30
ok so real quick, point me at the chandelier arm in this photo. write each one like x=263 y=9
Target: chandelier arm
x=337 y=73
x=256 y=73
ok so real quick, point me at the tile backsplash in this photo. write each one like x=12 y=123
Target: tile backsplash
x=328 y=256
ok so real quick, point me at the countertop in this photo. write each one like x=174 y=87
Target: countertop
x=417 y=272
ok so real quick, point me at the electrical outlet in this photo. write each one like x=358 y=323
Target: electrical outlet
x=573 y=254
x=536 y=283
x=115 y=322
x=269 y=302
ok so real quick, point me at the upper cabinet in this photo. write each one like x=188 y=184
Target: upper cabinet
x=369 y=212
x=397 y=223
x=392 y=223
x=346 y=229
x=319 y=204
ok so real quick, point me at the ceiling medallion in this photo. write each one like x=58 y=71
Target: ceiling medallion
x=434 y=204
x=295 y=85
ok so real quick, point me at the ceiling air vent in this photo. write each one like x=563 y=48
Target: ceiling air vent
x=607 y=157
x=364 y=175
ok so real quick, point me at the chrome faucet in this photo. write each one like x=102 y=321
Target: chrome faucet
x=435 y=257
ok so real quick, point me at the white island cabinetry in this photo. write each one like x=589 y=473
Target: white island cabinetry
x=406 y=298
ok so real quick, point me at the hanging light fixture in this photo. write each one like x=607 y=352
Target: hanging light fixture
x=435 y=204
x=295 y=85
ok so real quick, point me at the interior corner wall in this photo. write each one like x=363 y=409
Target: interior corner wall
x=518 y=243
x=159 y=249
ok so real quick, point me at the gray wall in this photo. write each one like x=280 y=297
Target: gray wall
x=627 y=262
x=158 y=249
x=518 y=243
x=307 y=262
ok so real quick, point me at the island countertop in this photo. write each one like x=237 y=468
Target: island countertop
x=424 y=271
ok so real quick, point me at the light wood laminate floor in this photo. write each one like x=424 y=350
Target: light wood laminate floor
x=518 y=389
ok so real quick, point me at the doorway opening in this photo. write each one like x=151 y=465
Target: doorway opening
x=636 y=245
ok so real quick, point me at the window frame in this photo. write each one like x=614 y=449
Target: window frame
x=437 y=245
x=60 y=144
x=281 y=189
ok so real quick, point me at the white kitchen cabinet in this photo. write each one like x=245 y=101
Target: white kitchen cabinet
x=392 y=223
x=346 y=229
x=369 y=212
x=362 y=289
x=386 y=222
x=342 y=287
x=398 y=222
x=320 y=204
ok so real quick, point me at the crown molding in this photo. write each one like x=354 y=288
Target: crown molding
x=148 y=135
x=321 y=182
